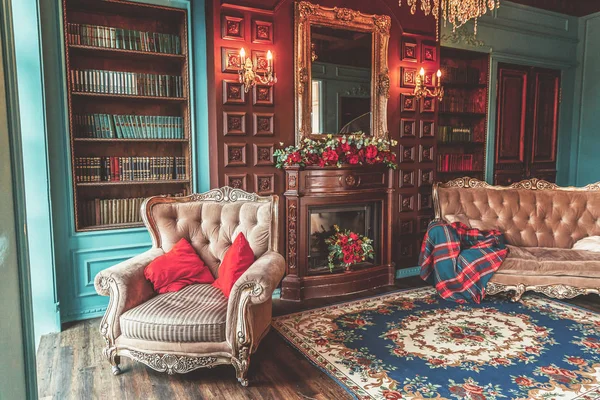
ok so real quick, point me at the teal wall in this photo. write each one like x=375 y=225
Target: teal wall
x=529 y=36
x=29 y=120
x=80 y=256
x=586 y=121
x=12 y=346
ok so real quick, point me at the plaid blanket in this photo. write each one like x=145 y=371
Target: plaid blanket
x=459 y=261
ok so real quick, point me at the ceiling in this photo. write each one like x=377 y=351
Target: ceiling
x=571 y=7
x=577 y=8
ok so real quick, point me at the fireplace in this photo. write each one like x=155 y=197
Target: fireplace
x=357 y=198
x=359 y=218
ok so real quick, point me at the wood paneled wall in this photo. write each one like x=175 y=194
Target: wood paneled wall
x=245 y=128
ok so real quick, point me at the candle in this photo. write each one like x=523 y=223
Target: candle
x=439 y=76
x=243 y=56
x=269 y=58
x=422 y=72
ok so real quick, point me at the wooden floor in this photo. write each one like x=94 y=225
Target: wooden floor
x=70 y=366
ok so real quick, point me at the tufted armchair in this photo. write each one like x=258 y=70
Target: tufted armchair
x=196 y=326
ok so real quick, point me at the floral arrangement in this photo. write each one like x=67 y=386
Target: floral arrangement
x=348 y=248
x=356 y=149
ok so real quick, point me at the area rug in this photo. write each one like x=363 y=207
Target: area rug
x=413 y=345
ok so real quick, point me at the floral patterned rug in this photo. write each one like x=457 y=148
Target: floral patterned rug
x=413 y=345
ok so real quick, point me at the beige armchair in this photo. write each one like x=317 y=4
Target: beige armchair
x=196 y=326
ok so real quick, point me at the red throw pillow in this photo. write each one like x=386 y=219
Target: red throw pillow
x=238 y=258
x=177 y=269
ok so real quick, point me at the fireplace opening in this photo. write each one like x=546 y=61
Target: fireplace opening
x=359 y=218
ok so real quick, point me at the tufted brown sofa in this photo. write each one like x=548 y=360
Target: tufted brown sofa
x=196 y=326
x=540 y=222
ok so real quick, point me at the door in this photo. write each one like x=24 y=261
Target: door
x=526 y=123
x=545 y=96
x=511 y=119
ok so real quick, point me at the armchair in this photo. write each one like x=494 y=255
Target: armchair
x=196 y=326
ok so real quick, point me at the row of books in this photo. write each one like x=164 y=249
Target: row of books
x=124 y=39
x=113 y=211
x=129 y=83
x=128 y=126
x=468 y=75
x=461 y=103
x=103 y=169
x=452 y=134
x=454 y=162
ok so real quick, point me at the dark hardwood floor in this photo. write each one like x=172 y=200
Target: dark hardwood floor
x=71 y=366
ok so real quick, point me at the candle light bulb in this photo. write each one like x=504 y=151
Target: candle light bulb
x=243 y=55
x=269 y=55
x=439 y=74
x=422 y=72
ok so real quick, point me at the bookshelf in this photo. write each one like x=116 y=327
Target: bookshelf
x=128 y=106
x=462 y=117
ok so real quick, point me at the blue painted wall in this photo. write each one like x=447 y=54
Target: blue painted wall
x=31 y=124
x=529 y=36
x=80 y=256
x=586 y=121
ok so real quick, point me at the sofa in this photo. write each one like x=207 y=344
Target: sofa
x=541 y=222
x=196 y=326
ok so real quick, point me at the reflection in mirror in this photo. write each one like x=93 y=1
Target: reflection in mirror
x=341 y=80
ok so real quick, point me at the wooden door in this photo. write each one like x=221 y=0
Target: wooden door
x=545 y=97
x=511 y=122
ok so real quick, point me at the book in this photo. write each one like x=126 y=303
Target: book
x=111 y=126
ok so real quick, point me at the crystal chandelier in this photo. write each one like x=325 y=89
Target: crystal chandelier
x=456 y=12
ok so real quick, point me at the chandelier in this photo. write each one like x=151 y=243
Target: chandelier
x=455 y=12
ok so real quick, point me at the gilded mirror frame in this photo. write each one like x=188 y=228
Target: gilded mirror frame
x=307 y=14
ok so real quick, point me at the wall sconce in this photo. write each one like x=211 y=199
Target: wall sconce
x=422 y=91
x=249 y=75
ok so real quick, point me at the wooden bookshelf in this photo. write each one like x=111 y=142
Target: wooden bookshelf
x=122 y=37
x=462 y=117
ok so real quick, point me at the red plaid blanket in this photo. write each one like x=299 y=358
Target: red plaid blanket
x=459 y=261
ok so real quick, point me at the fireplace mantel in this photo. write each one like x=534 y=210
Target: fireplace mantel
x=312 y=187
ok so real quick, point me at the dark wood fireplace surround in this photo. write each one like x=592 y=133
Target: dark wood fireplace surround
x=315 y=186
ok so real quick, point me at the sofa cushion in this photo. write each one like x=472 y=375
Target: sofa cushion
x=590 y=243
x=551 y=261
x=196 y=313
x=237 y=260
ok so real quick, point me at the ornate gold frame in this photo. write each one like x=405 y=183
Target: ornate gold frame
x=558 y=291
x=307 y=14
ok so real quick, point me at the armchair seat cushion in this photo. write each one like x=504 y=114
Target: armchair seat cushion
x=196 y=313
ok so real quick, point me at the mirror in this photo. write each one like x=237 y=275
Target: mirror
x=342 y=82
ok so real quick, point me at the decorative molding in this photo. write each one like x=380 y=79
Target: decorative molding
x=463 y=35
x=557 y=291
x=236 y=181
x=292 y=237
x=408 y=272
x=235 y=154
x=170 y=363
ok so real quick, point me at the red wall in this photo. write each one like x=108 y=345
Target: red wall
x=405 y=26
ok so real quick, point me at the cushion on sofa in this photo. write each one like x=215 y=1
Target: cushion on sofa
x=551 y=261
x=590 y=243
x=482 y=226
x=196 y=313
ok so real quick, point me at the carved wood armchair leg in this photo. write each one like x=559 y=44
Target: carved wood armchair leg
x=116 y=360
x=241 y=367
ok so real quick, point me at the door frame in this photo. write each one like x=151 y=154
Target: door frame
x=495 y=59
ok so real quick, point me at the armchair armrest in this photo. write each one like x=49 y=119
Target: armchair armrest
x=127 y=287
x=254 y=287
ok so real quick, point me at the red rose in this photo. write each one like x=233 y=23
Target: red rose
x=391 y=395
x=472 y=388
x=523 y=381
x=344 y=240
x=353 y=236
x=345 y=147
x=371 y=151
x=347 y=259
x=576 y=360
x=353 y=159
x=330 y=156
x=549 y=370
